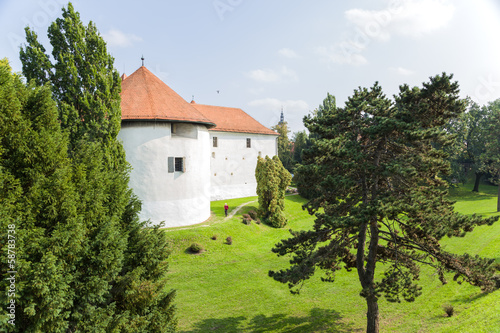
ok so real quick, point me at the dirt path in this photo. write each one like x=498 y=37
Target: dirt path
x=230 y=215
x=236 y=210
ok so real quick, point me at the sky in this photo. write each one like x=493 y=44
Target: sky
x=265 y=56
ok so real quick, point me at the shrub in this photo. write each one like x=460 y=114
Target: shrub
x=229 y=240
x=196 y=248
x=448 y=308
x=253 y=214
x=257 y=220
x=246 y=216
x=247 y=220
x=214 y=237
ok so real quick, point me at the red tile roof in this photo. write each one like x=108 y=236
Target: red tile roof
x=232 y=120
x=146 y=97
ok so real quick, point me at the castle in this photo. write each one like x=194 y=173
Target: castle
x=185 y=155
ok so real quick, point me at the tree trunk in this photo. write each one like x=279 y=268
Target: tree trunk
x=498 y=199
x=476 y=182
x=372 y=315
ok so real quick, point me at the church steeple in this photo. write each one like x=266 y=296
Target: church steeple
x=282 y=117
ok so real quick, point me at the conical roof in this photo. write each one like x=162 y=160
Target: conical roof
x=146 y=97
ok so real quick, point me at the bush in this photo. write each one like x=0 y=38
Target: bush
x=257 y=221
x=253 y=214
x=448 y=308
x=196 y=248
x=247 y=220
x=246 y=216
x=214 y=237
x=229 y=240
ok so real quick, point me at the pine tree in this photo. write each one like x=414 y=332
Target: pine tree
x=272 y=182
x=375 y=168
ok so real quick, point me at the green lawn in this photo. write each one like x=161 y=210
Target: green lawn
x=226 y=288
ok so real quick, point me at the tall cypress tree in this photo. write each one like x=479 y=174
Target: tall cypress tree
x=272 y=181
x=378 y=195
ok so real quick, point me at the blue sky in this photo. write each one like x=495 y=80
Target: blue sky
x=263 y=55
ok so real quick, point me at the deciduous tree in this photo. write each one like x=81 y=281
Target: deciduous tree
x=490 y=157
x=284 y=145
x=379 y=196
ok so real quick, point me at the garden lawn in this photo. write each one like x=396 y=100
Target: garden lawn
x=226 y=288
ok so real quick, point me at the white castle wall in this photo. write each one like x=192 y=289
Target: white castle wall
x=232 y=164
x=178 y=198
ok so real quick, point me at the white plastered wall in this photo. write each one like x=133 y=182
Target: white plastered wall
x=178 y=198
x=232 y=164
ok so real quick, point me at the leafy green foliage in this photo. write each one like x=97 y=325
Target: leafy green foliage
x=284 y=145
x=84 y=82
x=374 y=169
x=85 y=262
x=272 y=181
x=467 y=151
x=490 y=157
x=195 y=248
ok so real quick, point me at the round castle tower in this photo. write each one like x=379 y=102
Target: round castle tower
x=167 y=143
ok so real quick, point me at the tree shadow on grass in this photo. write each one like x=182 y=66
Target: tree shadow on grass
x=319 y=320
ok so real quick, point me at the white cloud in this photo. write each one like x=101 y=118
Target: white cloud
x=343 y=53
x=118 y=38
x=413 y=18
x=269 y=75
x=410 y=18
x=402 y=71
x=288 y=53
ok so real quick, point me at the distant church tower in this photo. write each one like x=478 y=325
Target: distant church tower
x=282 y=117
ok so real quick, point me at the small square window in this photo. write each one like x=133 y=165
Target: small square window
x=176 y=164
x=214 y=141
x=249 y=143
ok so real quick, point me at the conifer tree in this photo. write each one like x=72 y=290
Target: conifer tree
x=379 y=197
x=272 y=182
x=90 y=264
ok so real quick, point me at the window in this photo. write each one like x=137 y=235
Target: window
x=249 y=143
x=173 y=128
x=176 y=164
x=215 y=141
x=179 y=164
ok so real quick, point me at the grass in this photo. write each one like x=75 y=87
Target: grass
x=226 y=288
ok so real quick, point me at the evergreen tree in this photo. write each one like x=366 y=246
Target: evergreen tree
x=90 y=264
x=378 y=197
x=272 y=182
